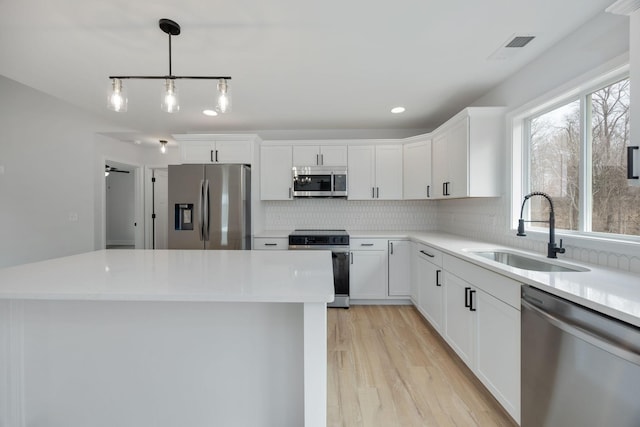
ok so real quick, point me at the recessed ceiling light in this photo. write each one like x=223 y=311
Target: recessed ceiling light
x=209 y=113
x=397 y=110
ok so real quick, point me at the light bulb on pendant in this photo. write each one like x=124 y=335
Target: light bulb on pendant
x=170 y=97
x=163 y=146
x=117 y=99
x=224 y=98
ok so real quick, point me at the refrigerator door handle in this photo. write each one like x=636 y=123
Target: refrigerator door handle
x=200 y=212
x=206 y=210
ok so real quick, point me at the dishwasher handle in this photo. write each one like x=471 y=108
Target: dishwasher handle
x=583 y=334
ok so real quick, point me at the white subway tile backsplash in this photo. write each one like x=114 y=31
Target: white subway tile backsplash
x=379 y=215
x=487 y=220
x=483 y=219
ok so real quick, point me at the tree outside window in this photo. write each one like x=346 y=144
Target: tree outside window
x=556 y=147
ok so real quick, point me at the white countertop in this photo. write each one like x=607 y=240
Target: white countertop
x=609 y=291
x=612 y=292
x=175 y=275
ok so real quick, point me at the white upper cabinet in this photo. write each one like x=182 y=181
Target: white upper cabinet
x=319 y=155
x=417 y=170
x=467 y=154
x=375 y=172
x=275 y=172
x=204 y=148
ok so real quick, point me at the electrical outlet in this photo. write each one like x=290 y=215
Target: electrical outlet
x=73 y=216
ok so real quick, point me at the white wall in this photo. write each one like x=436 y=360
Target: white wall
x=120 y=209
x=47 y=188
x=599 y=41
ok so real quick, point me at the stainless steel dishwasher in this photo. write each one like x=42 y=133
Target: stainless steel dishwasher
x=579 y=367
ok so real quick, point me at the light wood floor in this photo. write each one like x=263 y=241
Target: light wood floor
x=388 y=368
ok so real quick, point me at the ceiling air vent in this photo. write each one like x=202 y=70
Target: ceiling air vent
x=520 y=41
x=511 y=47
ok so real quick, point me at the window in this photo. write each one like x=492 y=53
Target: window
x=575 y=151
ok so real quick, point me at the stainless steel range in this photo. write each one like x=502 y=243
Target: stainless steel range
x=336 y=241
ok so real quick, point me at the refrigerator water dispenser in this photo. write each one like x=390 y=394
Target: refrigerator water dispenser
x=184 y=216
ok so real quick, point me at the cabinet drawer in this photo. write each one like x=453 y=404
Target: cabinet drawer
x=270 y=243
x=430 y=254
x=368 y=244
x=497 y=285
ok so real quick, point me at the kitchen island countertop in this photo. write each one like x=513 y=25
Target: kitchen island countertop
x=175 y=275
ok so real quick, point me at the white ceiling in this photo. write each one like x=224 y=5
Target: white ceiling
x=296 y=65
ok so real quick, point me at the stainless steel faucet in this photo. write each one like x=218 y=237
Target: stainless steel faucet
x=552 y=248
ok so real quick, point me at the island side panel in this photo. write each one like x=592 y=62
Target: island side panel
x=11 y=364
x=106 y=363
x=315 y=364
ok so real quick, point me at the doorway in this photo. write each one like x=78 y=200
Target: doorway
x=122 y=229
x=160 y=186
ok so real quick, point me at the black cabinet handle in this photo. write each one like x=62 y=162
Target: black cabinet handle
x=390 y=248
x=444 y=186
x=467 y=304
x=472 y=306
x=216 y=155
x=373 y=192
x=428 y=191
x=271 y=244
x=427 y=254
x=211 y=157
x=351 y=257
x=630 y=165
x=438 y=277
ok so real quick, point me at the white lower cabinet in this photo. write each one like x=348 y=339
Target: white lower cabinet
x=270 y=243
x=498 y=351
x=484 y=329
x=430 y=289
x=368 y=274
x=459 y=317
x=399 y=268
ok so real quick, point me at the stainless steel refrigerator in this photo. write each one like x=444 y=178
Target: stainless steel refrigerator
x=209 y=207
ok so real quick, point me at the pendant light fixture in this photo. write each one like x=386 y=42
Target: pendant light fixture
x=163 y=146
x=117 y=100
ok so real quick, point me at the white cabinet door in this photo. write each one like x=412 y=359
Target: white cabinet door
x=368 y=275
x=399 y=268
x=216 y=151
x=459 y=321
x=458 y=159
x=361 y=175
x=415 y=274
x=239 y=152
x=431 y=302
x=320 y=155
x=197 y=151
x=416 y=180
x=440 y=165
x=333 y=155
x=306 y=155
x=275 y=172
x=388 y=172
x=498 y=350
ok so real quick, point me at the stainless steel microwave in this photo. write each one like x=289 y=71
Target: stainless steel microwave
x=319 y=181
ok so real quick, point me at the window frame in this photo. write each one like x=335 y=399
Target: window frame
x=518 y=132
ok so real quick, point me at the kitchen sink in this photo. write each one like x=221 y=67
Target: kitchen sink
x=526 y=262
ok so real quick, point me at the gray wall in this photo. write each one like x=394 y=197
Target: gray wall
x=599 y=41
x=50 y=197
